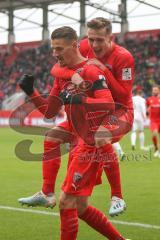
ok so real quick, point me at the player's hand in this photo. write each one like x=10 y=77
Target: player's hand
x=94 y=61
x=76 y=79
x=26 y=83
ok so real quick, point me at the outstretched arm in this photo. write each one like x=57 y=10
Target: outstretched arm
x=48 y=106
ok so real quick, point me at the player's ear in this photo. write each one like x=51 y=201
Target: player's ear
x=111 y=37
x=74 y=44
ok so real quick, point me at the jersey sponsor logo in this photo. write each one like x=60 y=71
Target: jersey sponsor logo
x=126 y=74
x=77 y=177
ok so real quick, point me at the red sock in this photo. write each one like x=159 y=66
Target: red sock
x=50 y=165
x=112 y=171
x=97 y=220
x=69 y=224
x=155 y=142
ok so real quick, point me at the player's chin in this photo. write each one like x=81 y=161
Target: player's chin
x=62 y=64
x=98 y=54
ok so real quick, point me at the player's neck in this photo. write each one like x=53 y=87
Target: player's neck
x=76 y=59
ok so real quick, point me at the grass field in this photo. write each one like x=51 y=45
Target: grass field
x=140 y=179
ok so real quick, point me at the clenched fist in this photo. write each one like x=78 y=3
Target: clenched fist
x=26 y=83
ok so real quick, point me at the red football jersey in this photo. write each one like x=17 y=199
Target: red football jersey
x=120 y=75
x=153 y=104
x=89 y=73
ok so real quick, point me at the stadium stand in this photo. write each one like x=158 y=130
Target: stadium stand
x=145 y=48
x=33 y=60
x=36 y=58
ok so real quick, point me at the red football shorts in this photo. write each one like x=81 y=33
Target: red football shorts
x=155 y=126
x=82 y=171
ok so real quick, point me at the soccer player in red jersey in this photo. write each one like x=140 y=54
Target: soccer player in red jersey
x=153 y=105
x=81 y=172
x=118 y=65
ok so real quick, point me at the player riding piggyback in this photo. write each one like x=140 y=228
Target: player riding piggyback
x=117 y=64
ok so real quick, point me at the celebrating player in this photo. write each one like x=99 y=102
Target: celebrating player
x=119 y=73
x=118 y=65
x=81 y=172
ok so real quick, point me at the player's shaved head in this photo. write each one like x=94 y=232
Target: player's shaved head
x=66 y=33
x=99 y=23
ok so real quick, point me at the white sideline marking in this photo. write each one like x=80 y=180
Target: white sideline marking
x=28 y=210
x=143 y=225
x=136 y=224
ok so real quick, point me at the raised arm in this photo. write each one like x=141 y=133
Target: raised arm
x=49 y=106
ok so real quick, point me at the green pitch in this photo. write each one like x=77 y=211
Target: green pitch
x=140 y=180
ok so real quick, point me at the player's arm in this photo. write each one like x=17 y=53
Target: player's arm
x=121 y=84
x=54 y=102
x=66 y=73
x=47 y=106
x=122 y=81
x=102 y=97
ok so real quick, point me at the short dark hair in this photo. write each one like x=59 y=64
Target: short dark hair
x=155 y=86
x=65 y=32
x=99 y=23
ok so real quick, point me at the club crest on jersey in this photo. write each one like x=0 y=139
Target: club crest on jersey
x=77 y=177
x=126 y=74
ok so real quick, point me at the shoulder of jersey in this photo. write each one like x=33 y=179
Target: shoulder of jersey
x=122 y=51
x=83 y=43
